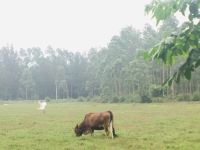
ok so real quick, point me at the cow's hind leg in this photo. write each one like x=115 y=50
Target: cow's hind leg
x=106 y=129
x=111 y=129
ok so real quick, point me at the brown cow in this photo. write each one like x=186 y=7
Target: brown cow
x=96 y=121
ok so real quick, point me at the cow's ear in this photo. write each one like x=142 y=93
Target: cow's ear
x=76 y=126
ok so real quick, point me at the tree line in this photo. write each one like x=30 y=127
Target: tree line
x=117 y=72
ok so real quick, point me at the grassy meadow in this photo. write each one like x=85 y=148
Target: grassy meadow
x=139 y=126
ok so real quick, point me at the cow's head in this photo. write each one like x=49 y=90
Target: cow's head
x=78 y=130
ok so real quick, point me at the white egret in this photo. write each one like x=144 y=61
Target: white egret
x=42 y=105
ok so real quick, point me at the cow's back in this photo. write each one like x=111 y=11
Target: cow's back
x=97 y=119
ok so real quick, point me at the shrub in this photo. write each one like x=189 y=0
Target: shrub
x=80 y=99
x=47 y=99
x=184 y=97
x=133 y=98
x=156 y=91
x=159 y=100
x=97 y=99
x=88 y=99
x=145 y=99
x=104 y=101
x=196 y=96
x=115 y=99
x=122 y=99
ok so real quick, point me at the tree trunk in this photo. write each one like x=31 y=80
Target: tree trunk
x=26 y=93
x=167 y=77
x=172 y=86
x=67 y=94
x=190 y=87
x=163 y=79
x=133 y=90
x=56 y=91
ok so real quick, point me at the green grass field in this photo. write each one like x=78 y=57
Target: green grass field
x=139 y=126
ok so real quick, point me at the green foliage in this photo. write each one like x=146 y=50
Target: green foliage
x=183 y=42
x=161 y=10
x=159 y=100
x=196 y=96
x=106 y=93
x=115 y=99
x=156 y=91
x=122 y=99
x=184 y=97
x=80 y=99
x=98 y=99
x=48 y=99
x=10 y=72
x=145 y=97
x=134 y=98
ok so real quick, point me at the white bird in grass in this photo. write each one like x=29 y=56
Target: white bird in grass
x=42 y=106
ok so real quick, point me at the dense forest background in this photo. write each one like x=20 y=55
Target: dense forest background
x=115 y=73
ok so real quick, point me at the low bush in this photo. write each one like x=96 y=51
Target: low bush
x=47 y=99
x=133 y=98
x=184 y=97
x=122 y=99
x=196 y=96
x=145 y=96
x=145 y=99
x=115 y=99
x=156 y=91
x=80 y=99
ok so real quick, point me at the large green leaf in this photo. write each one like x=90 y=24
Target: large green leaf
x=186 y=42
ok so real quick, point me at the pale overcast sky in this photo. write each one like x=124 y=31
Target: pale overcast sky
x=76 y=25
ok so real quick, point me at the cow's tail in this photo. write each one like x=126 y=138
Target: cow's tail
x=112 y=129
